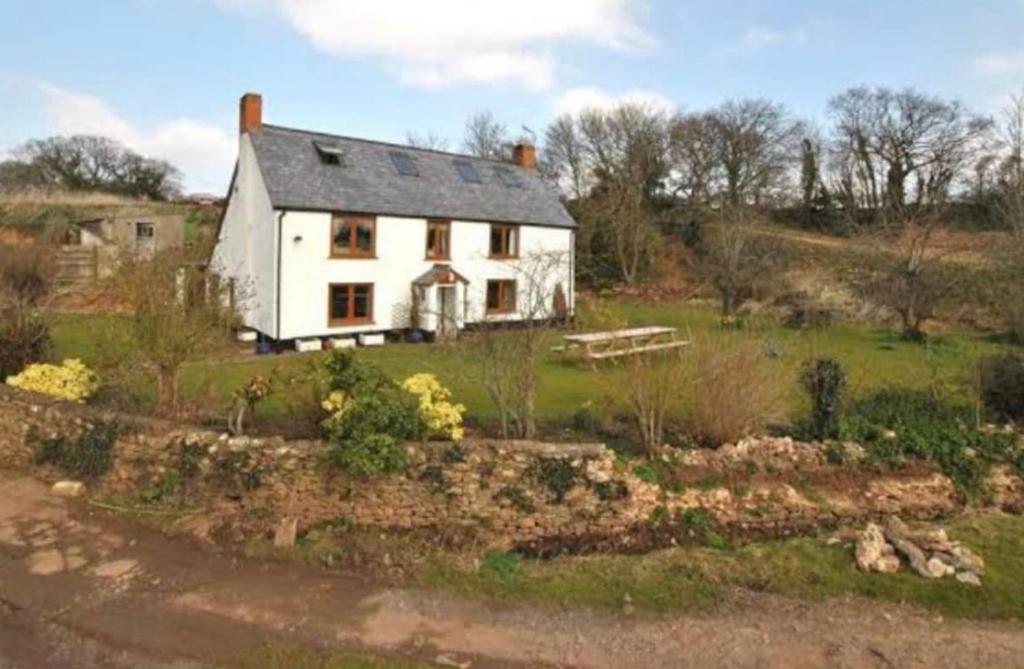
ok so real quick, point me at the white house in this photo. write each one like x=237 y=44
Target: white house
x=325 y=235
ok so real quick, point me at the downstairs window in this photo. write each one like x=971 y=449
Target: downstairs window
x=350 y=304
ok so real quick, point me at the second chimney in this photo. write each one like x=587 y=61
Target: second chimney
x=250 y=112
x=525 y=155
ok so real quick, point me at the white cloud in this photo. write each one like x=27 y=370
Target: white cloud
x=203 y=152
x=576 y=100
x=1009 y=63
x=759 y=37
x=435 y=43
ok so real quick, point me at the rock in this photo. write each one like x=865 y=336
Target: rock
x=68 y=489
x=284 y=537
x=198 y=525
x=968 y=578
x=448 y=661
x=939 y=569
x=870 y=544
x=896 y=532
x=887 y=564
x=964 y=559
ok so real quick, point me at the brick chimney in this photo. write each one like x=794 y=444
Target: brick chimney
x=525 y=155
x=250 y=112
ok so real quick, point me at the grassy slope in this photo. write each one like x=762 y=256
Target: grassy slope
x=874 y=359
x=286 y=657
x=695 y=579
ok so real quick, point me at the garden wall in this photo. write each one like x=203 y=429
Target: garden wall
x=511 y=492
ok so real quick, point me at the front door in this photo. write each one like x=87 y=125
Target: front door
x=447 y=325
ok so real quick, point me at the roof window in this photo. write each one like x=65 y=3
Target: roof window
x=404 y=164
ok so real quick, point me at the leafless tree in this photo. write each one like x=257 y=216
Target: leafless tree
x=510 y=355
x=486 y=137
x=756 y=141
x=428 y=141
x=565 y=156
x=26 y=277
x=174 y=318
x=1010 y=195
x=653 y=388
x=621 y=217
x=693 y=157
x=898 y=149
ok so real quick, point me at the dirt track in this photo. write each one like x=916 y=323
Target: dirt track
x=79 y=589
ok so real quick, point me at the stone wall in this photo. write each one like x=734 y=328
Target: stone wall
x=511 y=492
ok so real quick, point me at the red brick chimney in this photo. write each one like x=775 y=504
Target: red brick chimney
x=525 y=155
x=250 y=112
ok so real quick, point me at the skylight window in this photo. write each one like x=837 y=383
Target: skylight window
x=467 y=170
x=404 y=164
x=330 y=153
x=508 y=177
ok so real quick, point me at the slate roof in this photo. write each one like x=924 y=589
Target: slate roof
x=368 y=182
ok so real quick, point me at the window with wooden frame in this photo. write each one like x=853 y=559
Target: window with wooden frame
x=439 y=238
x=353 y=236
x=501 y=296
x=504 y=241
x=349 y=304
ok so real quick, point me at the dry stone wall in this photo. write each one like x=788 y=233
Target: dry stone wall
x=509 y=492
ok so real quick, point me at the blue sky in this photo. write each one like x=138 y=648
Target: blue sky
x=164 y=76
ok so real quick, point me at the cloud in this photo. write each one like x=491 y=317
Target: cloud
x=1008 y=63
x=439 y=43
x=576 y=100
x=203 y=152
x=759 y=37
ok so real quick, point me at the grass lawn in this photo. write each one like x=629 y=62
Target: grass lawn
x=286 y=657
x=874 y=359
x=692 y=579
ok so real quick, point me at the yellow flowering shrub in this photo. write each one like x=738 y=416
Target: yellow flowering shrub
x=69 y=381
x=335 y=405
x=439 y=415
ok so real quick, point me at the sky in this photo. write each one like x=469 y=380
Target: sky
x=164 y=76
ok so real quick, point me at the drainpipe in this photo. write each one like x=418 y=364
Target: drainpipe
x=277 y=300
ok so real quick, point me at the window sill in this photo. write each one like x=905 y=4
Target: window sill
x=438 y=258
x=350 y=323
x=494 y=257
x=332 y=257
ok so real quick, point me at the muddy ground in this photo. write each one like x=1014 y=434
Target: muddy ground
x=83 y=588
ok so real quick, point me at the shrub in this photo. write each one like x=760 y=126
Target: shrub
x=557 y=475
x=70 y=381
x=651 y=390
x=734 y=389
x=1002 y=385
x=825 y=381
x=25 y=276
x=440 y=417
x=88 y=457
x=369 y=415
x=898 y=424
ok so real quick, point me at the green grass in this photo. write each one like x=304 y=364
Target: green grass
x=874 y=359
x=693 y=579
x=289 y=657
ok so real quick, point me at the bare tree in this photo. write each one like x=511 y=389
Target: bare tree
x=487 y=138
x=509 y=355
x=653 y=388
x=899 y=149
x=26 y=276
x=174 y=319
x=740 y=261
x=619 y=218
x=565 y=157
x=693 y=157
x=428 y=141
x=1010 y=194
x=756 y=142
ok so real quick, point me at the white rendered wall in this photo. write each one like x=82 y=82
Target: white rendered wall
x=246 y=249
x=307 y=269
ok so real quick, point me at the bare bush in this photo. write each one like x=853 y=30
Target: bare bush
x=735 y=391
x=26 y=275
x=652 y=390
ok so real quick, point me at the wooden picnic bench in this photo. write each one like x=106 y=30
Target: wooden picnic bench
x=596 y=346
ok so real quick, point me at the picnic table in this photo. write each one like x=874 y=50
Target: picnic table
x=617 y=343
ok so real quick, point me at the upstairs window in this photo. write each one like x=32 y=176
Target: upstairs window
x=467 y=170
x=349 y=304
x=509 y=177
x=330 y=153
x=501 y=297
x=504 y=241
x=353 y=236
x=144 y=231
x=404 y=163
x=438 y=240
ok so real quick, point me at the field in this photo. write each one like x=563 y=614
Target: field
x=875 y=358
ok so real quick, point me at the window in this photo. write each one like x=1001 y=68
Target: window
x=504 y=241
x=403 y=162
x=353 y=236
x=144 y=230
x=438 y=240
x=501 y=297
x=330 y=153
x=467 y=170
x=350 y=303
x=508 y=177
